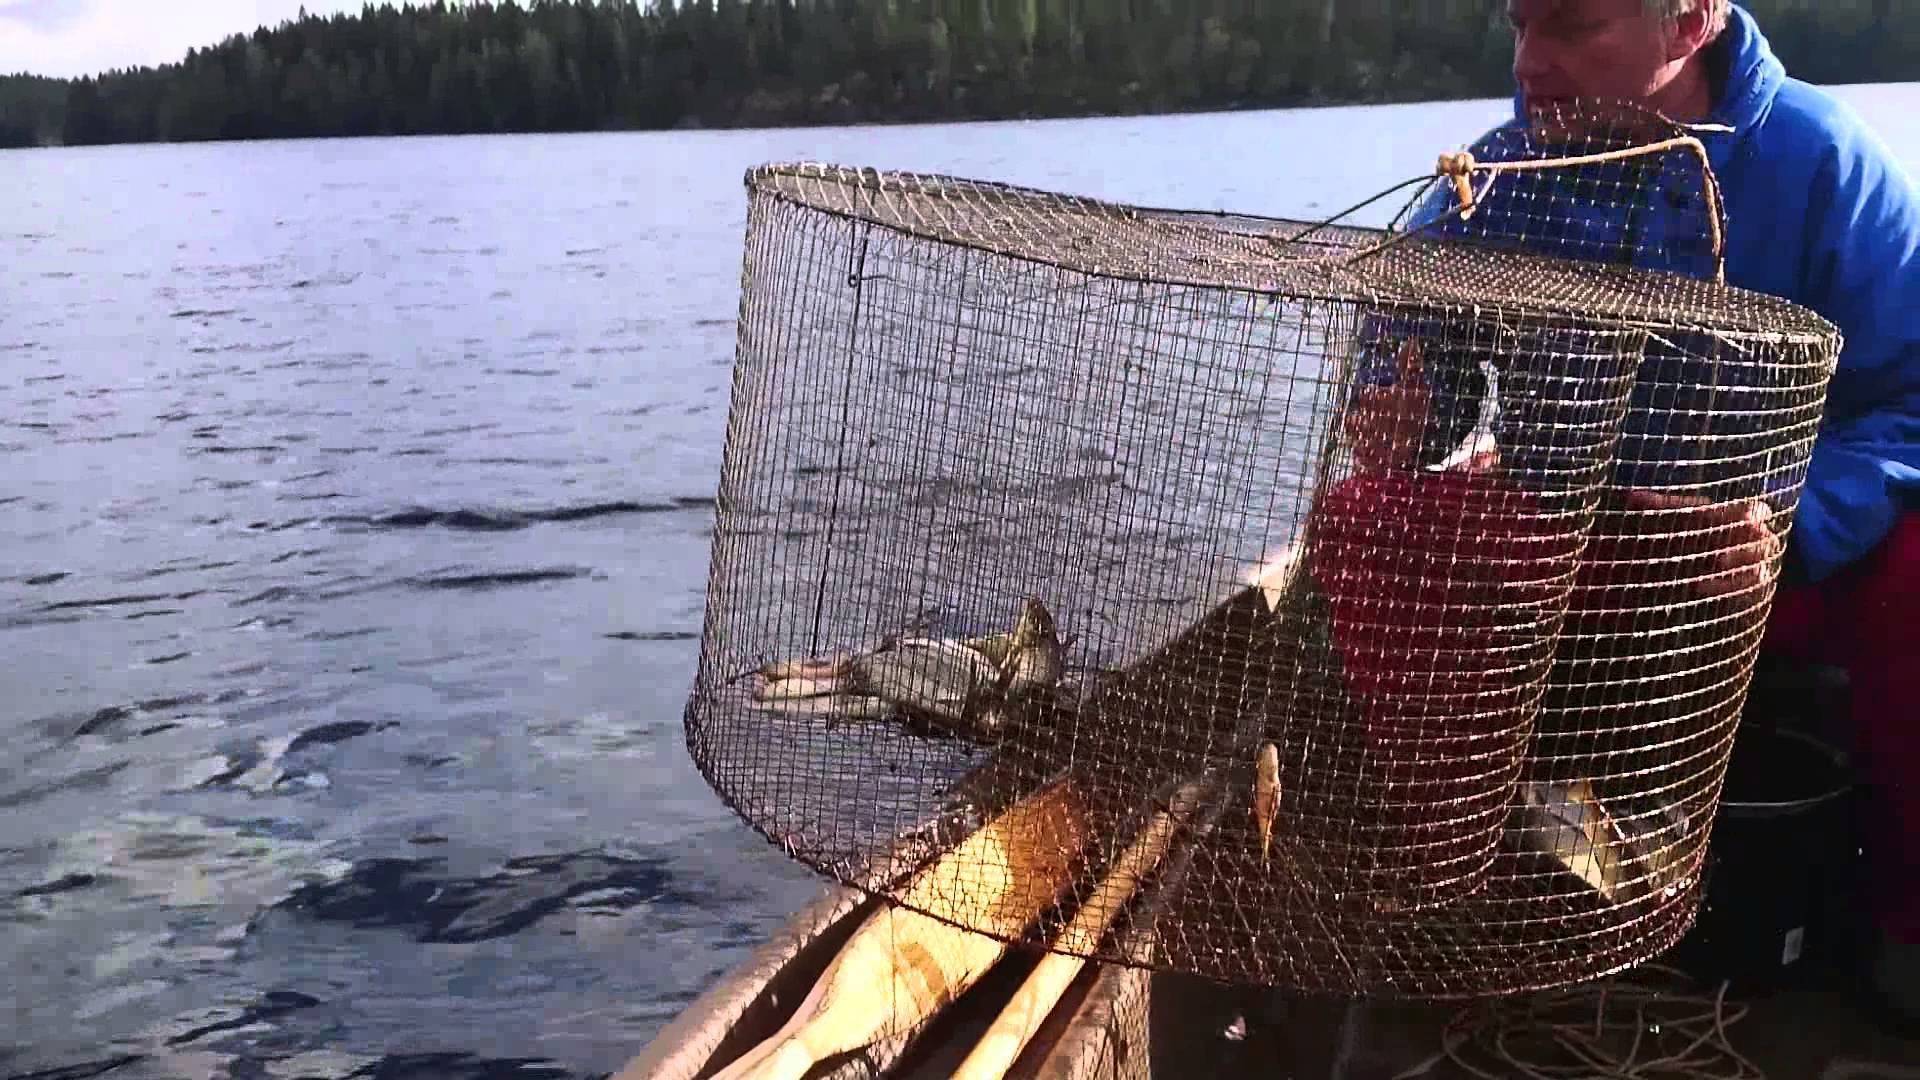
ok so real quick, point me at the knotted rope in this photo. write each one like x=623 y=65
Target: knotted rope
x=1460 y=167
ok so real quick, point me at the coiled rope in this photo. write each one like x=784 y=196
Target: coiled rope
x=1651 y=1025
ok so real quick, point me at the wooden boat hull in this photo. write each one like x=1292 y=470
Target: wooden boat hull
x=1099 y=1029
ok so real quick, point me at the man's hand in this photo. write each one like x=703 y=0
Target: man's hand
x=1384 y=424
x=1726 y=548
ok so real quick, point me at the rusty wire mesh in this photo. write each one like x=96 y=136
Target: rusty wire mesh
x=1033 y=499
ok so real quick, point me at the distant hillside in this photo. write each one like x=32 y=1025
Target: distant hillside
x=564 y=65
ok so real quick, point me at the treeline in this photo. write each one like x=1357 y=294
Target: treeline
x=32 y=110
x=565 y=65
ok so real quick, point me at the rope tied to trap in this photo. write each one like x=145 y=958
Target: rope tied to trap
x=1459 y=167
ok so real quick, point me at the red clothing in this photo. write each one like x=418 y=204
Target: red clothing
x=1866 y=619
x=1445 y=590
x=1437 y=581
x=1425 y=572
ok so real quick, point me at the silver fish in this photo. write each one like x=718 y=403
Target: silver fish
x=995 y=647
x=829 y=707
x=1621 y=860
x=1567 y=824
x=1656 y=851
x=831 y=667
x=1036 y=657
x=968 y=687
x=799 y=686
x=942 y=681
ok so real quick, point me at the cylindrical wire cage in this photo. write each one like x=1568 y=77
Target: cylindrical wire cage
x=1392 y=566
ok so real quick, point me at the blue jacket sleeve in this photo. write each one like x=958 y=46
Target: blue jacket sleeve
x=1862 y=272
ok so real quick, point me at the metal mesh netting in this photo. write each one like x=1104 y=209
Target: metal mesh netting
x=1291 y=604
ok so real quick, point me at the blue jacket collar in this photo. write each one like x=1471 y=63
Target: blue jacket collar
x=1753 y=74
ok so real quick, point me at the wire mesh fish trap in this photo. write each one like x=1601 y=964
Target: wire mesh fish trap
x=1343 y=592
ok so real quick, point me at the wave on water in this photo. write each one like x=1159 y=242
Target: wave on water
x=413 y=895
x=466 y=518
x=121 y=720
x=272 y=1004
x=66 y=883
x=450 y=1066
x=82 y=1071
x=281 y=1004
x=274 y=595
x=183 y=566
x=108 y=601
x=499 y=578
x=328 y=734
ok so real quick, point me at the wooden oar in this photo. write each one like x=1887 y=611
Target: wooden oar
x=1106 y=1035
x=902 y=967
x=1022 y=1017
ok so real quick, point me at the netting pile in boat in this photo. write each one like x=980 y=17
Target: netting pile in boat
x=1314 y=606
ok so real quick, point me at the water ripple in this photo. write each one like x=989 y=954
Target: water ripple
x=507 y=520
x=274 y=1004
x=108 y=601
x=412 y=894
x=328 y=734
x=68 y=883
x=82 y=1071
x=500 y=578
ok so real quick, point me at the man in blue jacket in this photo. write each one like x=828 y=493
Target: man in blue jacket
x=1821 y=214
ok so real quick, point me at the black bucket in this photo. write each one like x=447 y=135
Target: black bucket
x=1783 y=868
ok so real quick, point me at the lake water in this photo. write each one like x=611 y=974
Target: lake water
x=353 y=524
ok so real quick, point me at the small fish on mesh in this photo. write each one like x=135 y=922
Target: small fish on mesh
x=1266 y=795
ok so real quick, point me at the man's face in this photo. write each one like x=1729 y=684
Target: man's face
x=1589 y=48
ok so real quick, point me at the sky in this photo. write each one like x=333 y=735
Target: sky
x=86 y=37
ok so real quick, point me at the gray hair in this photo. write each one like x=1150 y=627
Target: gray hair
x=1717 y=12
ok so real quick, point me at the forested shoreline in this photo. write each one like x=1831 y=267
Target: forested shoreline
x=586 y=65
